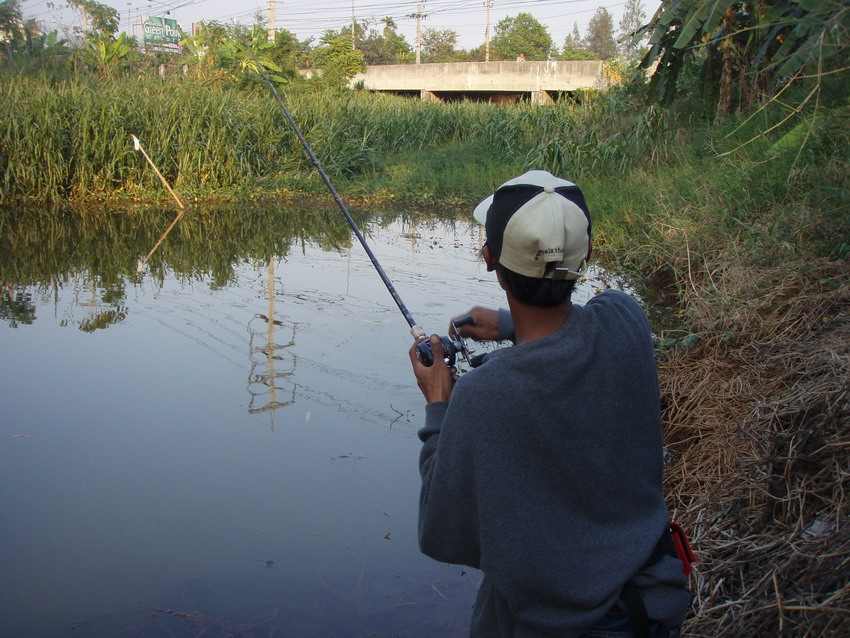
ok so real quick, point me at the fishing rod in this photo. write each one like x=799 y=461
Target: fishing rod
x=453 y=343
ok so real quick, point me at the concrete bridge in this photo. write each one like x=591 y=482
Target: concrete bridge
x=500 y=82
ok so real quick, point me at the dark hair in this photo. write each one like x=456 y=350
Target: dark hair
x=543 y=293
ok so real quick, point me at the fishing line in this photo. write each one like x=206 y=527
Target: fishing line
x=451 y=345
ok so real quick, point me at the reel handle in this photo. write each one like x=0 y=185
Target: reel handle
x=451 y=346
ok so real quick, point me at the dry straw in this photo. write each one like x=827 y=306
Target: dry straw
x=758 y=417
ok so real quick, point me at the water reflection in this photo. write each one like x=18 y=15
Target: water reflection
x=16 y=306
x=269 y=367
x=244 y=401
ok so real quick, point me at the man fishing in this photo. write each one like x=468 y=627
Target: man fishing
x=543 y=466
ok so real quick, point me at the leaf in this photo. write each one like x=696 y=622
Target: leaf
x=269 y=64
x=792 y=139
x=690 y=341
x=703 y=21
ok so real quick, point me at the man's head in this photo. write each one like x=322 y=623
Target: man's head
x=538 y=234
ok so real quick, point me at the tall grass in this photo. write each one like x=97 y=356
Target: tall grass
x=71 y=139
x=656 y=177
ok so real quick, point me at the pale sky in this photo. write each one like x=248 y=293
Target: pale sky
x=307 y=18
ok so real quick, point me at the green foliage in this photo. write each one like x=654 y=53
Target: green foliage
x=778 y=193
x=286 y=52
x=573 y=39
x=105 y=54
x=24 y=47
x=578 y=54
x=72 y=139
x=10 y=23
x=235 y=54
x=600 y=35
x=631 y=40
x=386 y=46
x=338 y=59
x=377 y=45
x=438 y=45
x=574 y=47
x=102 y=19
x=521 y=34
x=745 y=48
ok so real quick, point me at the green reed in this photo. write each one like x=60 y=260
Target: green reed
x=69 y=140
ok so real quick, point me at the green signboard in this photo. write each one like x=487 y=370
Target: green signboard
x=161 y=34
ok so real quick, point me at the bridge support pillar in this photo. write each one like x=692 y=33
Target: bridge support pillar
x=428 y=96
x=541 y=97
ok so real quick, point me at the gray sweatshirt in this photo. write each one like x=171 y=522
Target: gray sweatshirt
x=544 y=470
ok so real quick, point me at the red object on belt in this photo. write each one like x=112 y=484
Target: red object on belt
x=683 y=548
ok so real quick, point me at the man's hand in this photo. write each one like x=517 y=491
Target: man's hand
x=435 y=381
x=484 y=326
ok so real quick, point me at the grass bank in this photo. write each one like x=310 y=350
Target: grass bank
x=749 y=232
x=70 y=141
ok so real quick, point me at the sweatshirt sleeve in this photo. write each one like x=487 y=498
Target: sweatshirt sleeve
x=506 y=326
x=448 y=520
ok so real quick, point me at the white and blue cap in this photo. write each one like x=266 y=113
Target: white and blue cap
x=538 y=225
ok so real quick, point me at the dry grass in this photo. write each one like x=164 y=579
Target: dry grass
x=758 y=417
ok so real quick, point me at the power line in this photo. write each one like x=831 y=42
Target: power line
x=301 y=17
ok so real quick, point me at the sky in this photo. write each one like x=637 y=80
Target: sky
x=309 y=18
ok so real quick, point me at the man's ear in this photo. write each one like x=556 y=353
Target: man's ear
x=491 y=261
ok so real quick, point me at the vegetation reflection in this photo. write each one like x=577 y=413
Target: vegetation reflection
x=96 y=255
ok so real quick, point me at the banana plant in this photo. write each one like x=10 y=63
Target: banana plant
x=233 y=50
x=249 y=57
x=768 y=42
x=104 y=53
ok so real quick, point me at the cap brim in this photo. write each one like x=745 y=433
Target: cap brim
x=480 y=212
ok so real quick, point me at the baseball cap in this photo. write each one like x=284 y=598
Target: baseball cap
x=535 y=220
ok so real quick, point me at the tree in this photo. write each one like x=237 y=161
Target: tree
x=438 y=45
x=631 y=22
x=573 y=39
x=337 y=59
x=23 y=42
x=285 y=51
x=101 y=19
x=600 y=35
x=522 y=34
x=386 y=46
x=574 y=48
x=11 y=33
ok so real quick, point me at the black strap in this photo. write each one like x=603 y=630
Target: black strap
x=630 y=595
x=637 y=610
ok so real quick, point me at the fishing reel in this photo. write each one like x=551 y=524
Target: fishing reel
x=453 y=345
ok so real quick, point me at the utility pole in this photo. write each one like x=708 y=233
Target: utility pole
x=418 y=33
x=271 y=22
x=353 y=25
x=488 y=4
x=418 y=15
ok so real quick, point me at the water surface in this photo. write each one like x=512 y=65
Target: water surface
x=224 y=443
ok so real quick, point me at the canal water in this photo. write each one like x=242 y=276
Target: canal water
x=222 y=442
